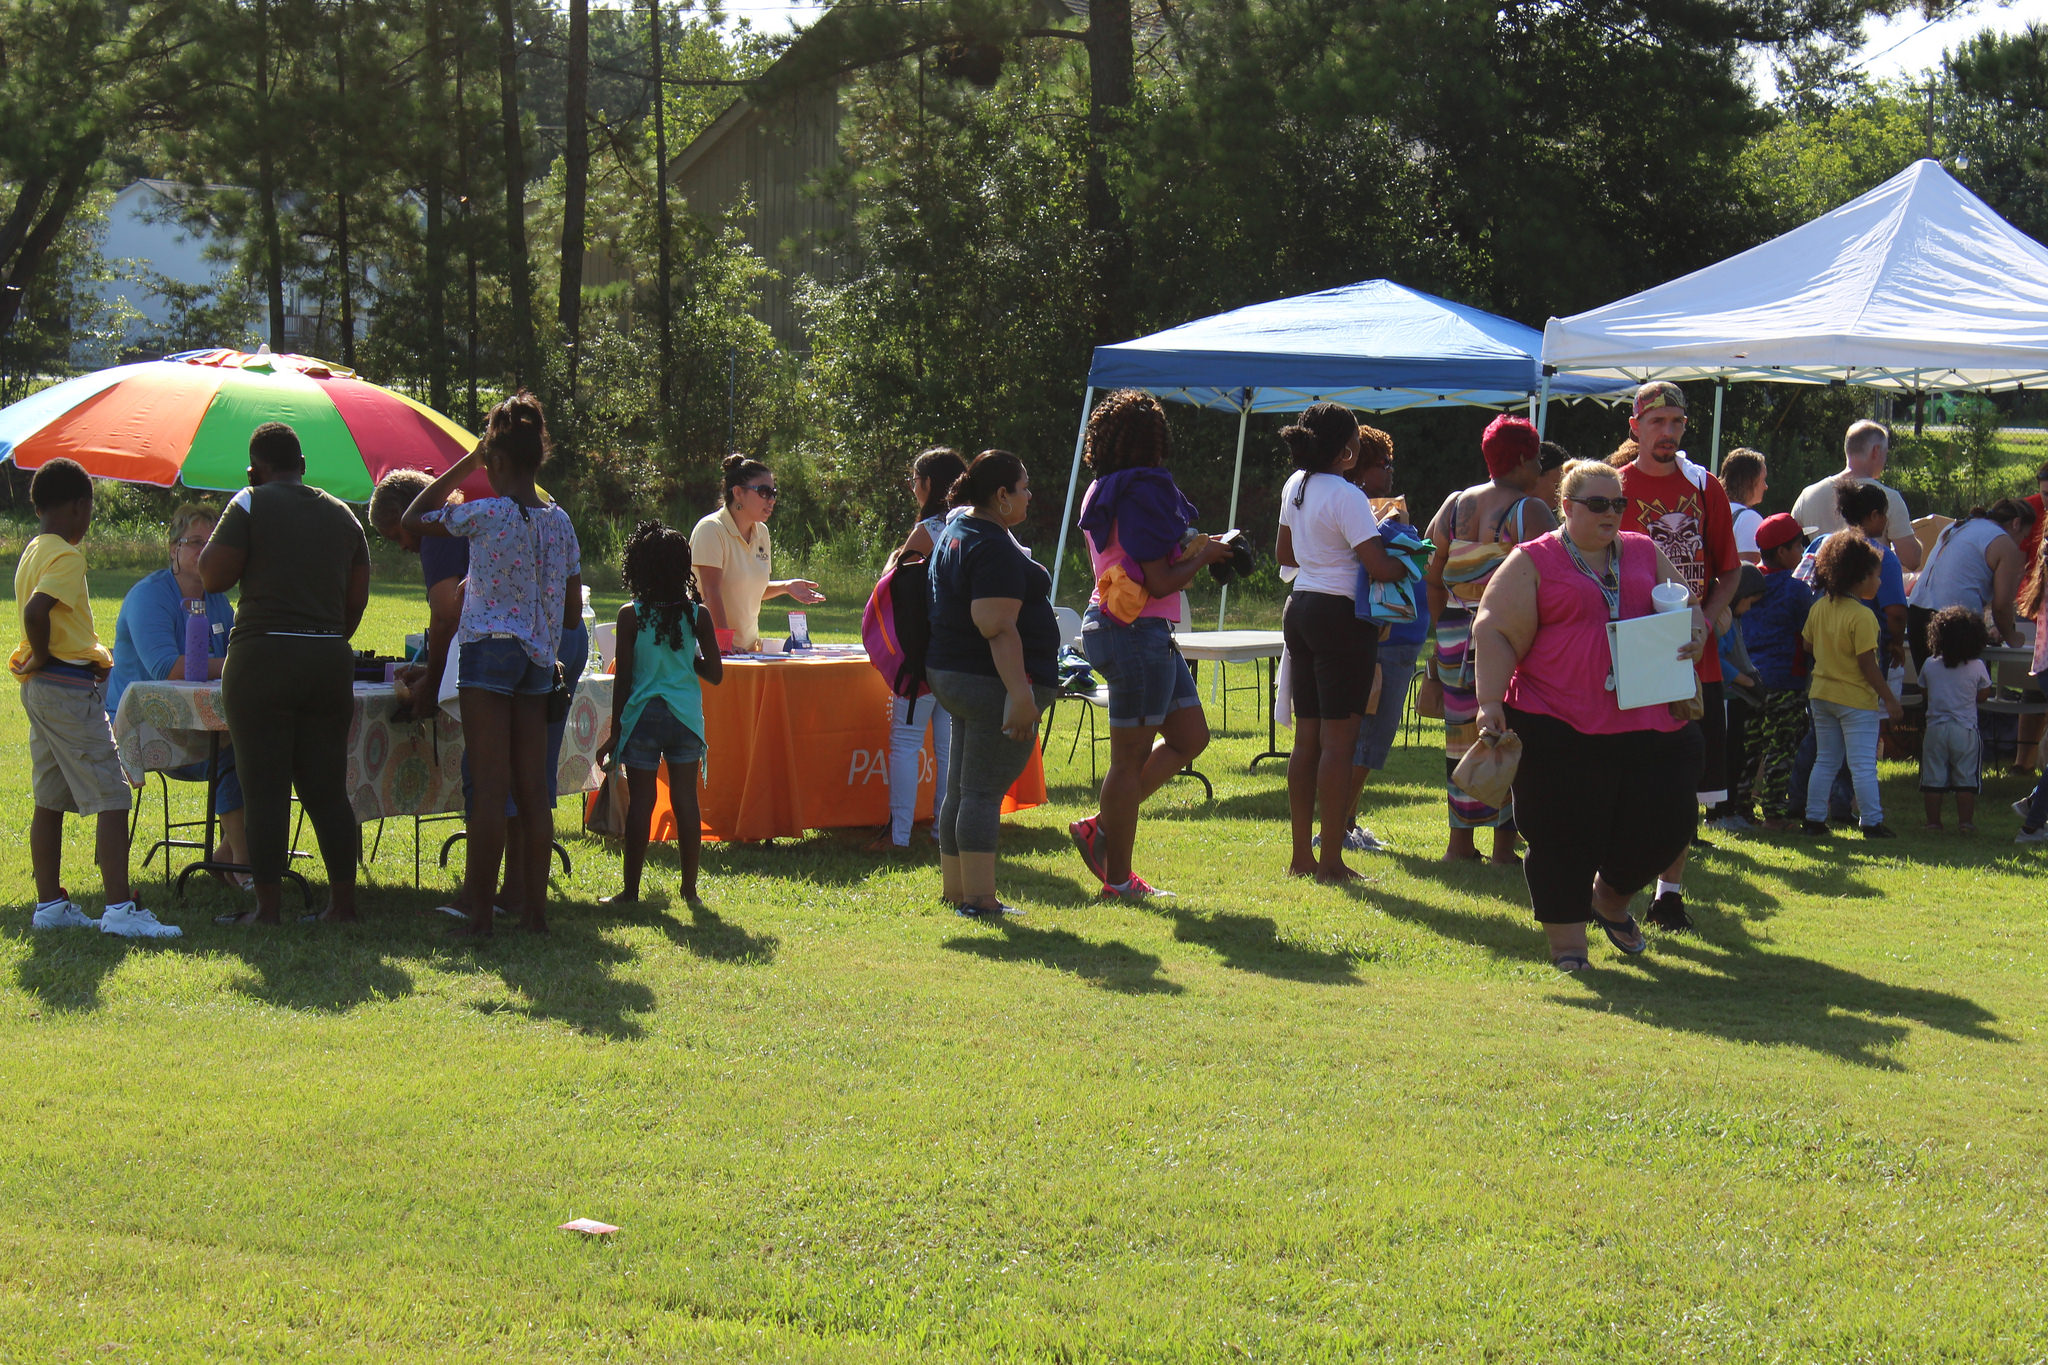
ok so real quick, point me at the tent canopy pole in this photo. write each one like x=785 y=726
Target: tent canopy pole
x=1059 y=556
x=1244 y=415
x=1543 y=402
x=1714 y=455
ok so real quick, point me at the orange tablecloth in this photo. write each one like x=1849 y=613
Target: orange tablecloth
x=802 y=744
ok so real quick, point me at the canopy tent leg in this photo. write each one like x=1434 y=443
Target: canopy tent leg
x=1714 y=455
x=1543 y=403
x=1244 y=415
x=1059 y=556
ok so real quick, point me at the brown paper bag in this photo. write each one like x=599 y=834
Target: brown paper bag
x=607 y=814
x=1487 y=771
x=1429 y=695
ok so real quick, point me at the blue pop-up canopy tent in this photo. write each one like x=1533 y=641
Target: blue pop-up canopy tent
x=1375 y=345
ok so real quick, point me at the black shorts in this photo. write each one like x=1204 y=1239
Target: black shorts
x=1713 y=727
x=1331 y=654
x=1622 y=806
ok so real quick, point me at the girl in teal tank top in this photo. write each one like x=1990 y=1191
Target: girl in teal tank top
x=666 y=652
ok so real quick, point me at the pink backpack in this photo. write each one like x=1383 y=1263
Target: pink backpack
x=896 y=625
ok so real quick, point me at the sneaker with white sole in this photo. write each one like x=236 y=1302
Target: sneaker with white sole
x=64 y=914
x=130 y=920
x=2032 y=836
x=2023 y=809
x=1359 y=839
x=1136 y=889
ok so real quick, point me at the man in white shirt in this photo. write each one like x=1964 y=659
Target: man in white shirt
x=1864 y=449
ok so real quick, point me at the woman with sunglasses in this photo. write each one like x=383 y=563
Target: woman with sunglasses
x=1603 y=796
x=731 y=552
x=1474 y=532
x=149 y=646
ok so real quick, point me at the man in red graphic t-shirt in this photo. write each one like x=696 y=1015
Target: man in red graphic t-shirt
x=1685 y=510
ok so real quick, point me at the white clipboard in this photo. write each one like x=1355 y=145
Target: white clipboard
x=1647 y=669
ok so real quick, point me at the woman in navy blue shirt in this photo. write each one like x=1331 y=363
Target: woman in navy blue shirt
x=992 y=663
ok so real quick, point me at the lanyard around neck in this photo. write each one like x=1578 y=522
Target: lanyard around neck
x=1609 y=584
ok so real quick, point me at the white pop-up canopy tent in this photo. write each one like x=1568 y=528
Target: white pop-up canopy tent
x=1916 y=286
x=1375 y=345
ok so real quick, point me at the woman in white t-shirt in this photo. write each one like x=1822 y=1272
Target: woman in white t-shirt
x=1745 y=475
x=1327 y=530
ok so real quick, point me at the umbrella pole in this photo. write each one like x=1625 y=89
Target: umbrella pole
x=1714 y=456
x=1244 y=415
x=1059 y=556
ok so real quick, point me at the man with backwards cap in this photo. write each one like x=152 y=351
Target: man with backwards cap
x=1685 y=511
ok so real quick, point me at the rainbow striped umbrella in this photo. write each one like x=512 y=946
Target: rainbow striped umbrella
x=187 y=418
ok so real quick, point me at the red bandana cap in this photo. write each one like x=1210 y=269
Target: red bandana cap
x=1774 y=531
x=1661 y=393
x=1509 y=443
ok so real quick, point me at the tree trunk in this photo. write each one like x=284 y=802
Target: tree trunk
x=35 y=244
x=15 y=229
x=661 y=218
x=1111 y=80
x=518 y=270
x=266 y=183
x=575 y=186
x=437 y=227
x=342 y=152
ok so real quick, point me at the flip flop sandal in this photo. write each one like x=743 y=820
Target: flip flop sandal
x=1617 y=930
x=1571 y=962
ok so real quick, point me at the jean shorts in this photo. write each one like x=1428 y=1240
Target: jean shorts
x=658 y=735
x=1148 y=680
x=500 y=663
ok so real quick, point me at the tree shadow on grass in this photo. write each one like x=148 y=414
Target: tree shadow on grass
x=1110 y=966
x=1723 y=983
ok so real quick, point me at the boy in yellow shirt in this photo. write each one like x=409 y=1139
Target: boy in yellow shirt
x=61 y=666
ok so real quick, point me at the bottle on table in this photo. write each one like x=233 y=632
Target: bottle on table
x=198 y=634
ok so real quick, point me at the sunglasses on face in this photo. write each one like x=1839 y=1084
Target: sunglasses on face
x=766 y=490
x=1600 y=507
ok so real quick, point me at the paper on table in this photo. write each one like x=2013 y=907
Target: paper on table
x=1647 y=669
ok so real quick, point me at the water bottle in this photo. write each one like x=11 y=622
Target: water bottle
x=590 y=628
x=198 y=634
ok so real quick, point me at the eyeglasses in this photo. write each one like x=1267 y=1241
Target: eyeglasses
x=766 y=490
x=188 y=542
x=1600 y=507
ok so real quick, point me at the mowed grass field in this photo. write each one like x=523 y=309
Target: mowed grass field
x=1266 y=1120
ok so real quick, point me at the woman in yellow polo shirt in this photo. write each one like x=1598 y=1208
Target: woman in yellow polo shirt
x=731 y=553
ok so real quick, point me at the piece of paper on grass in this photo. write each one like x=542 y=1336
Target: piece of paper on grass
x=588 y=1226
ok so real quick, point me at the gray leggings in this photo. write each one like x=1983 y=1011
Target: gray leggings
x=290 y=701
x=985 y=760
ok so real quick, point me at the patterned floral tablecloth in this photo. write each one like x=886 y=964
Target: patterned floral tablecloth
x=394 y=767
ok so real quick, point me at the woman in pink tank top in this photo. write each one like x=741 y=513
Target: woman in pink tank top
x=1603 y=795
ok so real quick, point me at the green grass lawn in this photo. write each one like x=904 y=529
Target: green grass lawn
x=1267 y=1120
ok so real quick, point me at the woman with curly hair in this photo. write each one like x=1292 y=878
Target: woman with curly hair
x=1142 y=545
x=658 y=695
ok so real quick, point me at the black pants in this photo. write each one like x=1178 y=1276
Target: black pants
x=1331 y=654
x=290 y=700
x=1741 y=763
x=1713 y=728
x=1622 y=806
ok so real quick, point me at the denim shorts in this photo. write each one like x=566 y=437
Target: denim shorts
x=658 y=735
x=500 y=664
x=1148 y=680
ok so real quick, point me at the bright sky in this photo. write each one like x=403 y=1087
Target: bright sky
x=1904 y=46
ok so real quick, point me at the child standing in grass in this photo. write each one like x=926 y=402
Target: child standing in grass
x=665 y=646
x=62 y=667
x=525 y=586
x=1849 y=691
x=1771 y=632
x=1951 y=754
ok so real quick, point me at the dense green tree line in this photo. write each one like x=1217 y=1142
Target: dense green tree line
x=1023 y=183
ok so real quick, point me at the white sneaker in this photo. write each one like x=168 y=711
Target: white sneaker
x=130 y=920
x=1359 y=839
x=2032 y=836
x=64 y=914
x=2019 y=808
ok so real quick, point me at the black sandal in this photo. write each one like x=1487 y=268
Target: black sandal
x=1571 y=962
x=1616 y=928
